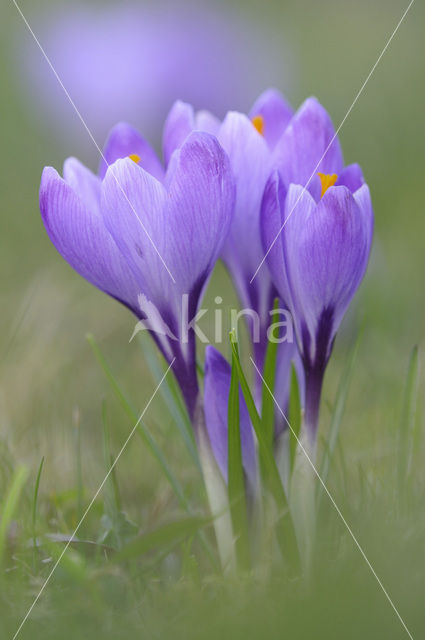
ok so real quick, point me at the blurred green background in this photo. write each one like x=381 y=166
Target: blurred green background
x=50 y=381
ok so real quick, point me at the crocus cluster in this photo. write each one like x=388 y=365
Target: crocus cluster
x=266 y=192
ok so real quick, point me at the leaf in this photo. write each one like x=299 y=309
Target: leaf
x=167 y=534
x=269 y=374
x=336 y=420
x=294 y=417
x=235 y=474
x=9 y=505
x=407 y=420
x=113 y=497
x=34 y=501
x=269 y=471
x=116 y=530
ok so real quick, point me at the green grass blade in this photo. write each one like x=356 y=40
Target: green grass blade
x=113 y=496
x=34 y=503
x=78 y=468
x=168 y=534
x=9 y=505
x=270 y=474
x=407 y=421
x=294 y=417
x=235 y=474
x=269 y=374
x=336 y=420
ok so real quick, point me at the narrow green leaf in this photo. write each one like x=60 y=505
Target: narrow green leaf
x=34 y=502
x=79 y=468
x=269 y=374
x=336 y=420
x=235 y=474
x=407 y=420
x=9 y=505
x=167 y=534
x=113 y=499
x=270 y=474
x=294 y=417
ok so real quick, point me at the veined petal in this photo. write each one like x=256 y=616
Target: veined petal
x=77 y=231
x=272 y=218
x=216 y=397
x=199 y=207
x=124 y=141
x=276 y=114
x=133 y=210
x=175 y=234
x=250 y=160
x=179 y=123
x=308 y=147
x=326 y=251
x=84 y=183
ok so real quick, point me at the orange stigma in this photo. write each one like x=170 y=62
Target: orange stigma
x=258 y=122
x=327 y=180
x=134 y=157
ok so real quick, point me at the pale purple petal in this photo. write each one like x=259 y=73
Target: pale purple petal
x=276 y=114
x=326 y=252
x=178 y=125
x=351 y=177
x=272 y=219
x=307 y=147
x=250 y=160
x=206 y=121
x=179 y=231
x=124 y=141
x=76 y=229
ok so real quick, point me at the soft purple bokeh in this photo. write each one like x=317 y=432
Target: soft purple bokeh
x=131 y=62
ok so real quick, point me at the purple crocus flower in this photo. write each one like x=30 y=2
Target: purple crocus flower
x=146 y=237
x=249 y=141
x=216 y=397
x=317 y=262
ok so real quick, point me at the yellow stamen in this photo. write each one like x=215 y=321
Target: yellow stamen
x=327 y=180
x=134 y=157
x=258 y=122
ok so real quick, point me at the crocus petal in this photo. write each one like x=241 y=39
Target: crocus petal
x=206 y=121
x=250 y=160
x=351 y=177
x=178 y=125
x=84 y=183
x=216 y=397
x=272 y=220
x=124 y=141
x=276 y=114
x=174 y=235
x=199 y=208
x=326 y=251
x=308 y=147
x=77 y=231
